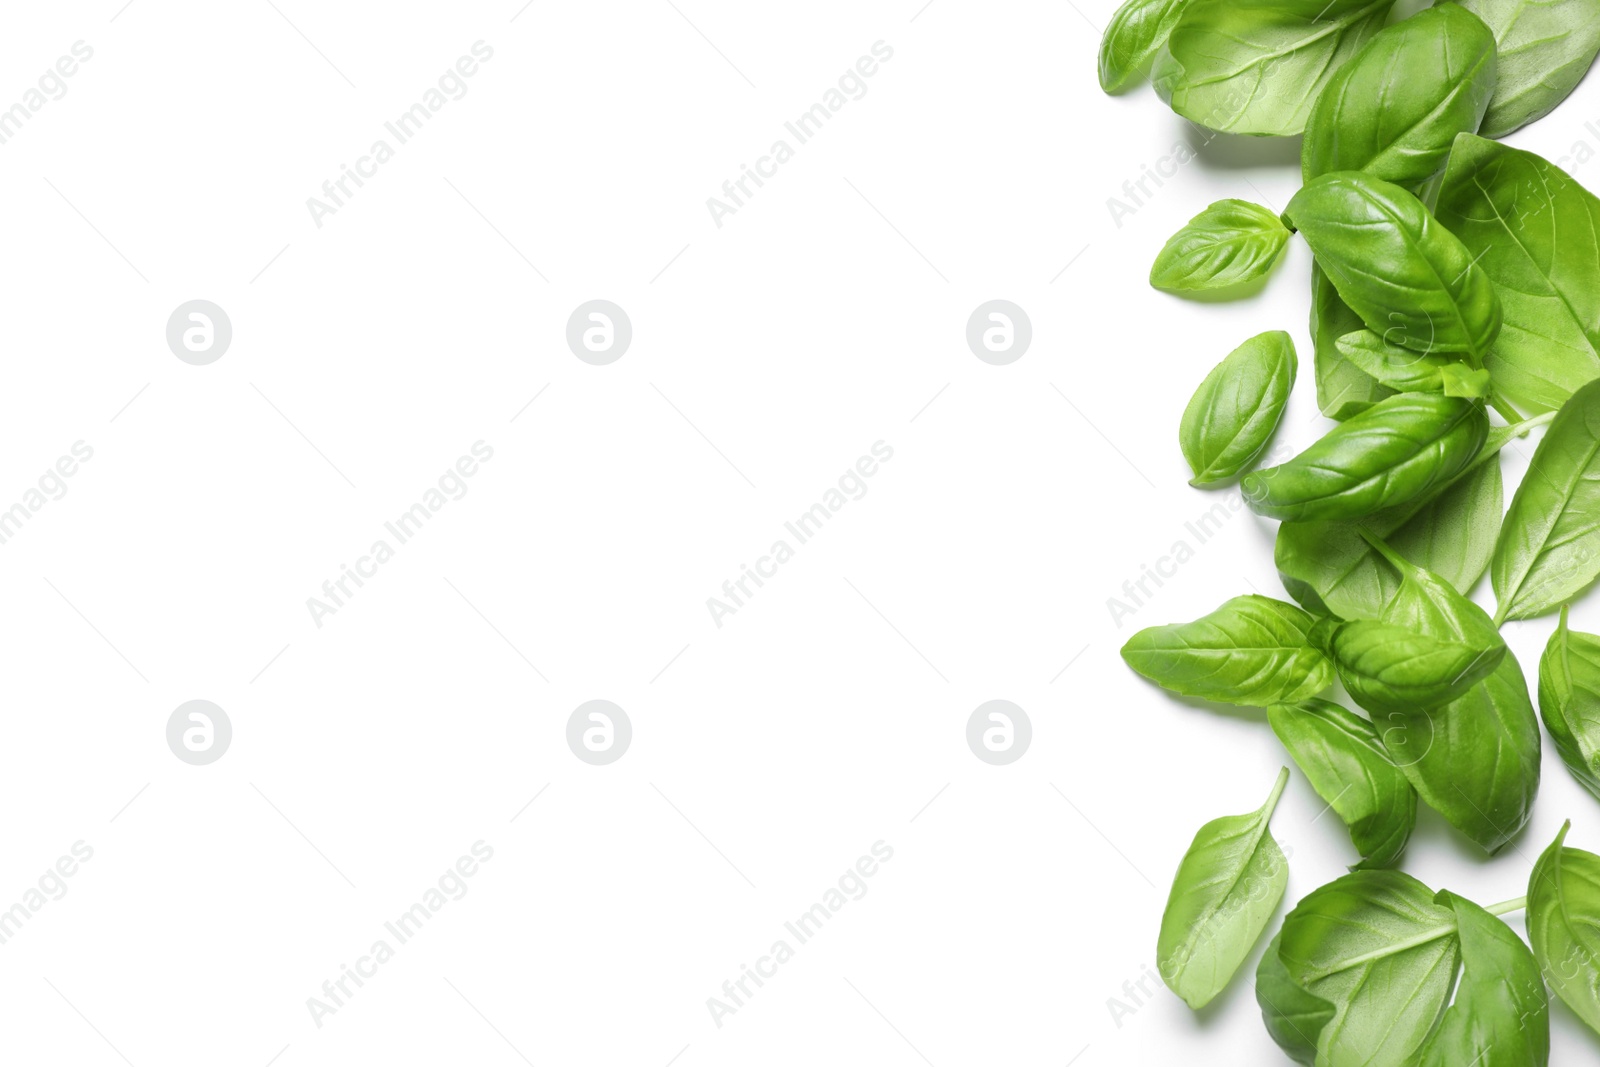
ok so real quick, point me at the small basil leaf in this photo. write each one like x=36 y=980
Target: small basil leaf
x=1375 y=946
x=1569 y=701
x=1549 y=547
x=1341 y=756
x=1476 y=759
x=1461 y=380
x=1563 y=918
x=1396 y=451
x=1331 y=569
x=1228 y=244
x=1546 y=47
x=1394 y=670
x=1135 y=34
x=1251 y=651
x=1256 y=66
x=1394 y=110
x=1507 y=207
x=1401 y=369
x=1501 y=1014
x=1343 y=389
x=1292 y=1016
x=1410 y=279
x=1223 y=896
x=1233 y=414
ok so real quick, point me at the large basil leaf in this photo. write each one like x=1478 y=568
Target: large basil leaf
x=1233 y=414
x=1135 y=34
x=1343 y=389
x=1569 y=701
x=1409 y=278
x=1375 y=946
x=1292 y=1016
x=1339 y=753
x=1395 y=670
x=1507 y=207
x=1223 y=896
x=1549 y=547
x=1228 y=244
x=1501 y=1014
x=1256 y=66
x=1475 y=760
x=1394 y=110
x=1251 y=651
x=1546 y=47
x=1563 y=918
x=1398 y=450
x=1331 y=569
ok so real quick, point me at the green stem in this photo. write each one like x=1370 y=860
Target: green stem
x=1507 y=412
x=1507 y=905
x=1277 y=791
x=1521 y=427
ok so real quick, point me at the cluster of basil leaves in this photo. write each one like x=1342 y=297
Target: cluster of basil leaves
x=1454 y=277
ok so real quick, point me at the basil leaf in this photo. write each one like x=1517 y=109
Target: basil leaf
x=1341 y=756
x=1292 y=1016
x=1501 y=1014
x=1398 y=368
x=1409 y=278
x=1343 y=389
x=1398 y=450
x=1223 y=896
x=1228 y=244
x=1569 y=701
x=1546 y=47
x=1549 y=547
x=1459 y=379
x=1394 y=110
x=1233 y=414
x=1256 y=66
x=1564 y=925
x=1476 y=760
x=1135 y=34
x=1394 y=670
x=1251 y=651
x=1331 y=569
x=1507 y=207
x=1375 y=946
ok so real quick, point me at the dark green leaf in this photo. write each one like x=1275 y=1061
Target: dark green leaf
x=1391 y=669
x=1292 y=1016
x=1501 y=1014
x=1569 y=701
x=1339 y=753
x=1394 y=110
x=1410 y=279
x=1343 y=389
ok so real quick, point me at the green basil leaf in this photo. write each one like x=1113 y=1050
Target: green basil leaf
x=1476 y=759
x=1546 y=47
x=1429 y=604
x=1549 y=547
x=1409 y=278
x=1331 y=569
x=1401 y=369
x=1507 y=206
x=1343 y=389
x=1461 y=380
x=1223 y=896
x=1569 y=701
x=1341 y=756
x=1501 y=1014
x=1233 y=414
x=1394 y=110
x=1563 y=917
x=1251 y=651
x=1394 y=670
x=1135 y=34
x=1256 y=66
x=1230 y=243
x=1398 y=450
x=1375 y=946
x=1292 y=1016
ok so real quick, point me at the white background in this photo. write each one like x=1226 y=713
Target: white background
x=768 y=355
